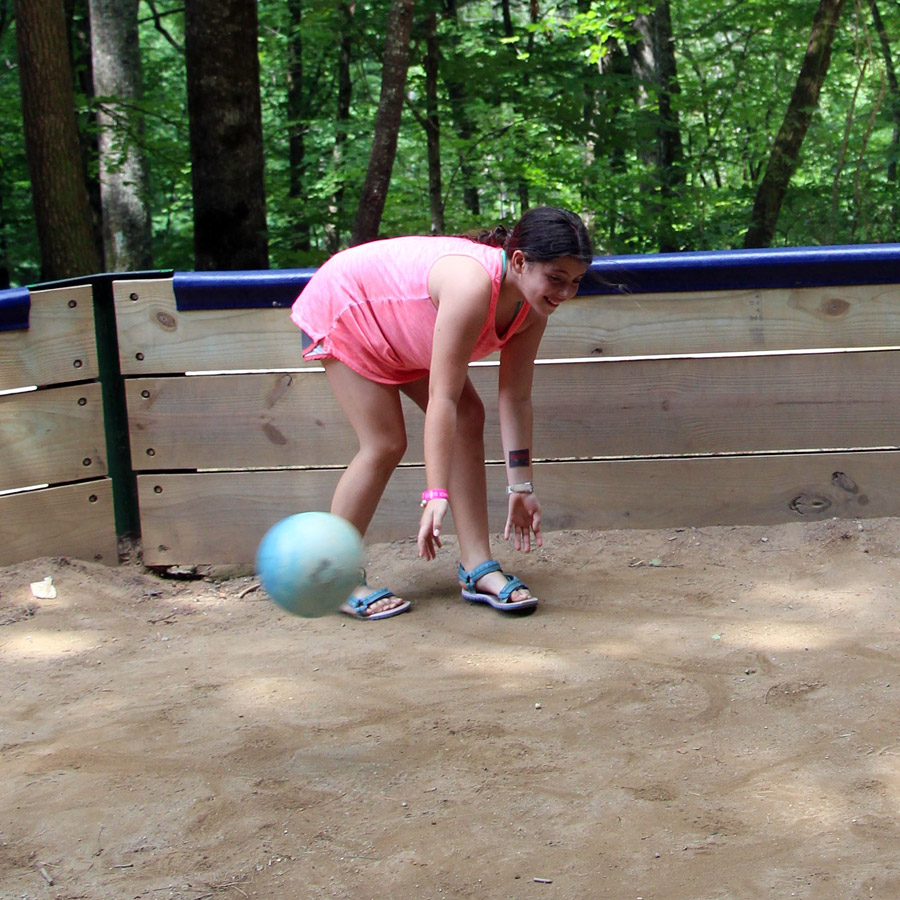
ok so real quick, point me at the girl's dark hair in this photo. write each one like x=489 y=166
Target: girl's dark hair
x=542 y=234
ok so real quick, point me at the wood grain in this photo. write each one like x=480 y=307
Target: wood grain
x=725 y=321
x=156 y=339
x=666 y=407
x=52 y=436
x=220 y=517
x=58 y=346
x=74 y=520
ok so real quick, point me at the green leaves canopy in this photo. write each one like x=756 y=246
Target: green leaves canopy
x=554 y=112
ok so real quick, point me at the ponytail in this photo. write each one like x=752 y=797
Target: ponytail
x=542 y=234
x=496 y=237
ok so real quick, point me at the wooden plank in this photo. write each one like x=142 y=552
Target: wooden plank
x=220 y=517
x=59 y=344
x=729 y=490
x=724 y=321
x=155 y=338
x=52 y=436
x=709 y=405
x=237 y=421
x=589 y=409
x=74 y=520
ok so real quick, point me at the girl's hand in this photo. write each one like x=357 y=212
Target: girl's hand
x=430 y=528
x=523 y=519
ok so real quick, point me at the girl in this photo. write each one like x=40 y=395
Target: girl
x=409 y=314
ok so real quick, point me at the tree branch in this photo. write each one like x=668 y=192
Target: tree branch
x=157 y=18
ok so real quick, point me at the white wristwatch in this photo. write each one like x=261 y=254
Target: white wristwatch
x=526 y=487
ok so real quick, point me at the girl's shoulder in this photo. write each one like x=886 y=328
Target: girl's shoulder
x=491 y=259
x=403 y=266
x=425 y=247
x=436 y=246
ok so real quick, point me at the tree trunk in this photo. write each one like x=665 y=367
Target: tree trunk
x=116 y=58
x=608 y=136
x=433 y=126
x=297 y=125
x=653 y=59
x=387 y=123
x=4 y=244
x=227 y=162
x=59 y=192
x=605 y=141
x=341 y=124
x=79 y=30
x=671 y=153
x=894 y=94
x=519 y=96
x=456 y=94
x=785 y=154
x=4 y=249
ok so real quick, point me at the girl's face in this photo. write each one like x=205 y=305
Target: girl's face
x=547 y=284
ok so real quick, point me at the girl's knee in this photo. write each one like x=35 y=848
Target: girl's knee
x=386 y=451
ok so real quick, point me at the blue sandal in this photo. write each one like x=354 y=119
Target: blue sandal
x=358 y=606
x=501 y=601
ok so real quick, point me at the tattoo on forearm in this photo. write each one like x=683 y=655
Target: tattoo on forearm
x=519 y=458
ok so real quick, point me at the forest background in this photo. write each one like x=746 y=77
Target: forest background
x=231 y=134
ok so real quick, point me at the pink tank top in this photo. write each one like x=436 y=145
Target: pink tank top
x=370 y=308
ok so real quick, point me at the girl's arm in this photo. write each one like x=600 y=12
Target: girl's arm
x=516 y=431
x=462 y=290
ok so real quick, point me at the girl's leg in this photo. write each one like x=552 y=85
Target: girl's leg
x=375 y=413
x=468 y=484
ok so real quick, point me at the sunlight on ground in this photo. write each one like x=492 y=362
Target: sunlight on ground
x=509 y=663
x=802 y=803
x=50 y=645
x=786 y=637
x=251 y=693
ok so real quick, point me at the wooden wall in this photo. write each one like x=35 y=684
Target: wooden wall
x=713 y=404
x=52 y=434
x=747 y=406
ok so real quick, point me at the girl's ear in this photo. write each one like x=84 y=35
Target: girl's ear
x=517 y=260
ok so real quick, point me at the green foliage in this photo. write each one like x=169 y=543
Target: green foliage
x=18 y=238
x=546 y=108
x=166 y=133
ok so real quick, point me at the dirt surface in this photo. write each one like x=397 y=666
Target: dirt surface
x=690 y=715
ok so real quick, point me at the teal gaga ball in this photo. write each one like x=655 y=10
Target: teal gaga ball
x=309 y=563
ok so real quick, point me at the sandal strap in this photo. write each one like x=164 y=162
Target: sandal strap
x=485 y=568
x=362 y=604
x=512 y=585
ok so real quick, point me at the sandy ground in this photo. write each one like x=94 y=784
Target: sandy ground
x=691 y=715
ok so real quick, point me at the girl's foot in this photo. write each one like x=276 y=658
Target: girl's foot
x=364 y=603
x=488 y=583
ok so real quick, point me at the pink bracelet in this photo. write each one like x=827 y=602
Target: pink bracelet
x=437 y=494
